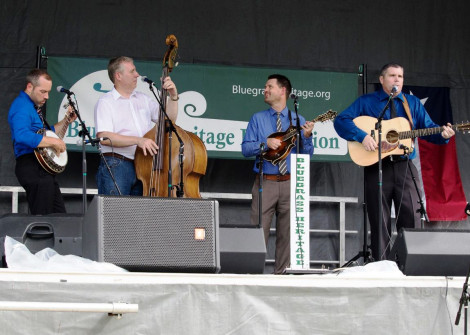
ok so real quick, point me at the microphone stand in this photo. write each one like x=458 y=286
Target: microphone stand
x=260 y=186
x=297 y=148
x=365 y=253
x=83 y=133
x=171 y=129
x=108 y=168
x=297 y=126
x=463 y=302
x=421 y=209
x=378 y=127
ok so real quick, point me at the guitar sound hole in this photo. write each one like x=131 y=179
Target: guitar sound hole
x=392 y=137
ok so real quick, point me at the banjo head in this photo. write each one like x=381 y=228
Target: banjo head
x=49 y=159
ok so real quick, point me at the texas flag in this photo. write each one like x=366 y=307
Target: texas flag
x=443 y=191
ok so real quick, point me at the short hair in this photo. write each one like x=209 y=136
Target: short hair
x=34 y=75
x=114 y=65
x=283 y=81
x=389 y=65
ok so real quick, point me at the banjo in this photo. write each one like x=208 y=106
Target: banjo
x=47 y=157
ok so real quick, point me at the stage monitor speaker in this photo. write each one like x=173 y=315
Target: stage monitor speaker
x=432 y=252
x=61 y=232
x=153 y=234
x=242 y=250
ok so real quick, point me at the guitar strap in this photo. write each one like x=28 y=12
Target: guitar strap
x=43 y=120
x=407 y=110
x=408 y=113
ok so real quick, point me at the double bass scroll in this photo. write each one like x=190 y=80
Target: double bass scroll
x=186 y=169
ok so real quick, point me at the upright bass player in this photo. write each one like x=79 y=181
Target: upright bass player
x=124 y=116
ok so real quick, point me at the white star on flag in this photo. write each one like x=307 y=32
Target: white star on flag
x=423 y=101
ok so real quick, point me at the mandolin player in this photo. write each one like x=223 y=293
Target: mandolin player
x=276 y=183
x=26 y=123
x=397 y=182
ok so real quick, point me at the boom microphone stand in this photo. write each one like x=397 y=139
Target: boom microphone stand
x=365 y=253
x=83 y=133
x=421 y=209
x=463 y=302
x=171 y=129
x=378 y=127
x=260 y=186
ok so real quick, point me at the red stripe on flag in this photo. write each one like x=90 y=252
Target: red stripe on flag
x=445 y=199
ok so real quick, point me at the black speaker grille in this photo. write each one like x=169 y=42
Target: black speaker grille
x=432 y=252
x=140 y=233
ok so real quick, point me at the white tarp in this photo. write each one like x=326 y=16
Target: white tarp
x=347 y=303
x=18 y=257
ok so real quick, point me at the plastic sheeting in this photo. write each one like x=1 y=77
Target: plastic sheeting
x=238 y=304
x=18 y=257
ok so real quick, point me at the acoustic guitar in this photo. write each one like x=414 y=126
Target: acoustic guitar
x=288 y=139
x=395 y=132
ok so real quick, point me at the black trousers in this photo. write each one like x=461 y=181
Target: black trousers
x=42 y=189
x=398 y=187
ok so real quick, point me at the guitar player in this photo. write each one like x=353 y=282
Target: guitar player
x=397 y=183
x=25 y=120
x=276 y=183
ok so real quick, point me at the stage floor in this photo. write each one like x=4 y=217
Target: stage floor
x=184 y=303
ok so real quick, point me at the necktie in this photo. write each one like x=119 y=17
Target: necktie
x=282 y=164
x=393 y=110
x=38 y=109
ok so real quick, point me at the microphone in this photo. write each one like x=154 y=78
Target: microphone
x=61 y=89
x=93 y=140
x=406 y=150
x=293 y=96
x=394 y=89
x=146 y=80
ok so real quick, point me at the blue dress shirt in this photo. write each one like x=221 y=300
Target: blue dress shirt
x=24 y=123
x=263 y=124
x=372 y=105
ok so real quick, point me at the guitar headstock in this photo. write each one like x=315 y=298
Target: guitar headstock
x=330 y=115
x=463 y=127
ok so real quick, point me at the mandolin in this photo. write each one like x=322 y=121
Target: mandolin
x=288 y=139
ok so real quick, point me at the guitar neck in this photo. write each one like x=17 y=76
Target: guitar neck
x=424 y=132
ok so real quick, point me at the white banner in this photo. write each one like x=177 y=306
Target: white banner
x=300 y=212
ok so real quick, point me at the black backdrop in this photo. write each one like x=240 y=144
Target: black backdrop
x=428 y=37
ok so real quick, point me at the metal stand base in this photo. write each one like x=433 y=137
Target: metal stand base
x=307 y=271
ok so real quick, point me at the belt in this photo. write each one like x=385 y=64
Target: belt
x=124 y=158
x=397 y=158
x=276 y=177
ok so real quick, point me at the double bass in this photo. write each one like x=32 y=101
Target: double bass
x=188 y=159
